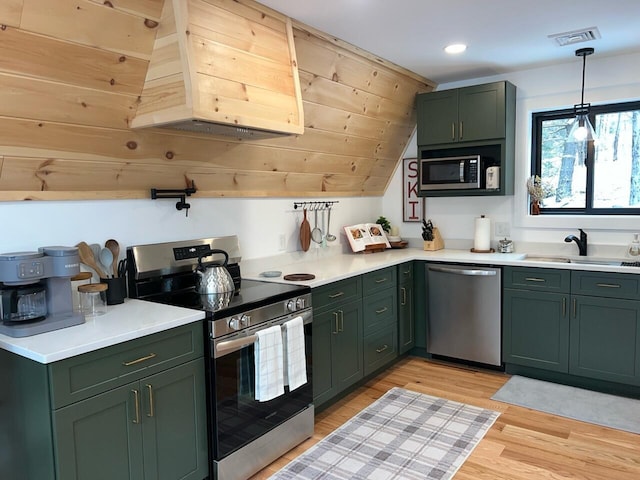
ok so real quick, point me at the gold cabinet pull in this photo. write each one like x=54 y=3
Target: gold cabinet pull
x=336 y=295
x=461 y=124
x=608 y=285
x=150 y=391
x=404 y=296
x=341 y=321
x=139 y=360
x=136 y=401
x=564 y=306
x=335 y=332
x=382 y=349
x=575 y=308
x=382 y=310
x=534 y=279
x=453 y=130
x=381 y=280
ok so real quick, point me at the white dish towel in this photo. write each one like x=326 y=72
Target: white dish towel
x=294 y=354
x=269 y=364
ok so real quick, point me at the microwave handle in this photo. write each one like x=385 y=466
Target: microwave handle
x=461 y=171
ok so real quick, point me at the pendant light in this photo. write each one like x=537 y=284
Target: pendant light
x=582 y=130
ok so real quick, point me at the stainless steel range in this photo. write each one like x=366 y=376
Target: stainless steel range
x=245 y=434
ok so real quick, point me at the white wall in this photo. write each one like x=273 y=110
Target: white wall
x=258 y=222
x=609 y=79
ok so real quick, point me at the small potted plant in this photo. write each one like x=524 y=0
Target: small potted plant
x=384 y=223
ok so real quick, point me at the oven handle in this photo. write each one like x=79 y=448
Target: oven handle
x=227 y=346
x=232 y=345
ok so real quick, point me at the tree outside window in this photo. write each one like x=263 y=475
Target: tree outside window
x=600 y=177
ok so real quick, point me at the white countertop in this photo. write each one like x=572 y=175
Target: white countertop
x=127 y=321
x=137 y=318
x=329 y=268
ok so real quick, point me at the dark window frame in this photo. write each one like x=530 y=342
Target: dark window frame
x=536 y=157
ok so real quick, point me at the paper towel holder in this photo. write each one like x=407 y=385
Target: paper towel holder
x=490 y=250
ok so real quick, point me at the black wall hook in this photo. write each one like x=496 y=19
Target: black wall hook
x=181 y=195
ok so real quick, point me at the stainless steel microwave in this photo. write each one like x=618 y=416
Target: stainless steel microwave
x=450 y=173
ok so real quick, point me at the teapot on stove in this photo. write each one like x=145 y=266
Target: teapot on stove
x=213 y=279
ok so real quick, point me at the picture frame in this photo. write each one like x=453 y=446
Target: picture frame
x=412 y=204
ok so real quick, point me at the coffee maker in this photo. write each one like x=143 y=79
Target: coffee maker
x=35 y=291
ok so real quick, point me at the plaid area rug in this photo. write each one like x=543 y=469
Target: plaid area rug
x=402 y=435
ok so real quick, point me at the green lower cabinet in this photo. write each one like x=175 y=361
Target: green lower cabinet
x=154 y=428
x=536 y=329
x=406 y=322
x=98 y=439
x=337 y=350
x=605 y=339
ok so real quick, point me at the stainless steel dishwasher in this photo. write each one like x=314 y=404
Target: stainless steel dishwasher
x=464 y=312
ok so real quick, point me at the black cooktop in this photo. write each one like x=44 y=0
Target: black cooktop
x=253 y=294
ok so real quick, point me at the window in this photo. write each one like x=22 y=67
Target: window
x=597 y=178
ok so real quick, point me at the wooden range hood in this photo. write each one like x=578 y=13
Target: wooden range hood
x=222 y=67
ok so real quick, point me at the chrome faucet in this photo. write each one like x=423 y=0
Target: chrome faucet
x=581 y=242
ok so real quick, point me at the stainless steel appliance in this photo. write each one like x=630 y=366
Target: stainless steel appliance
x=450 y=173
x=458 y=169
x=464 y=312
x=35 y=291
x=245 y=435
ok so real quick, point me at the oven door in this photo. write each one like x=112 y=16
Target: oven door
x=237 y=418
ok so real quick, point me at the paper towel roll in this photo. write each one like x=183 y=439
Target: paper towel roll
x=482 y=238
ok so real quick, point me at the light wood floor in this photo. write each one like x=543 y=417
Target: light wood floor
x=523 y=444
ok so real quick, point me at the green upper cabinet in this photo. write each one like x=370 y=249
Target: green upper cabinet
x=476 y=120
x=467 y=114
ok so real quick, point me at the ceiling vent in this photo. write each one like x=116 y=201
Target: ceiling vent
x=577 y=36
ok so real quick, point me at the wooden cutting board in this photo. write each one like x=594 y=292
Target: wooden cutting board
x=305 y=233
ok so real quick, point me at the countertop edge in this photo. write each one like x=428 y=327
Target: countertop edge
x=128 y=321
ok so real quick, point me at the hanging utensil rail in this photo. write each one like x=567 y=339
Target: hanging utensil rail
x=315 y=206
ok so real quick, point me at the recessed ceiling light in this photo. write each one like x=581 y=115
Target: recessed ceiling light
x=455 y=48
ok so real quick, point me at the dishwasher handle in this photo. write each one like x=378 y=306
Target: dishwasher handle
x=464 y=271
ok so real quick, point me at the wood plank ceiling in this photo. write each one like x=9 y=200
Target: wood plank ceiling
x=71 y=72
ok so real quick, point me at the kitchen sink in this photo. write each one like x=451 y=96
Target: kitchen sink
x=542 y=258
x=580 y=261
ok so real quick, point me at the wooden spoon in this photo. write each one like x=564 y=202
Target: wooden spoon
x=86 y=257
x=305 y=233
x=114 y=246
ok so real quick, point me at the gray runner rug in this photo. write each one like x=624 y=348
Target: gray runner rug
x=571 y=402
x=402 y=435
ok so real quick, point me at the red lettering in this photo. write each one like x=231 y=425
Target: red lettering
x=412 y=189
x=413 y=205
x=412 y=167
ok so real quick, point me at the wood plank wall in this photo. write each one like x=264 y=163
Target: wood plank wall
x=71 y=72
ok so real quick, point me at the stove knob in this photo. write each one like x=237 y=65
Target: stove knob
x=291 y=306
x=245 y=320
x=235 y=323
x=300 y=304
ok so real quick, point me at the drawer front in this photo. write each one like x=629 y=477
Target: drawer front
x=337 y=292
x=379 y=349
x=379 y=280
x=380 y=310
x=537 y=279
x=600 y=284
x=81 y=377
x=405 y=273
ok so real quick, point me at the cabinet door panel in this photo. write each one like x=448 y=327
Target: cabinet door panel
x=481 y=112
x=536 y=329
x=348 y=346
x=437 y=117
x=175 y=426
x=97 y=438
x=324 y=328
x=605 y=339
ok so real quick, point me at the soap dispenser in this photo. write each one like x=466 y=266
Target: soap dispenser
x=634 y=247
